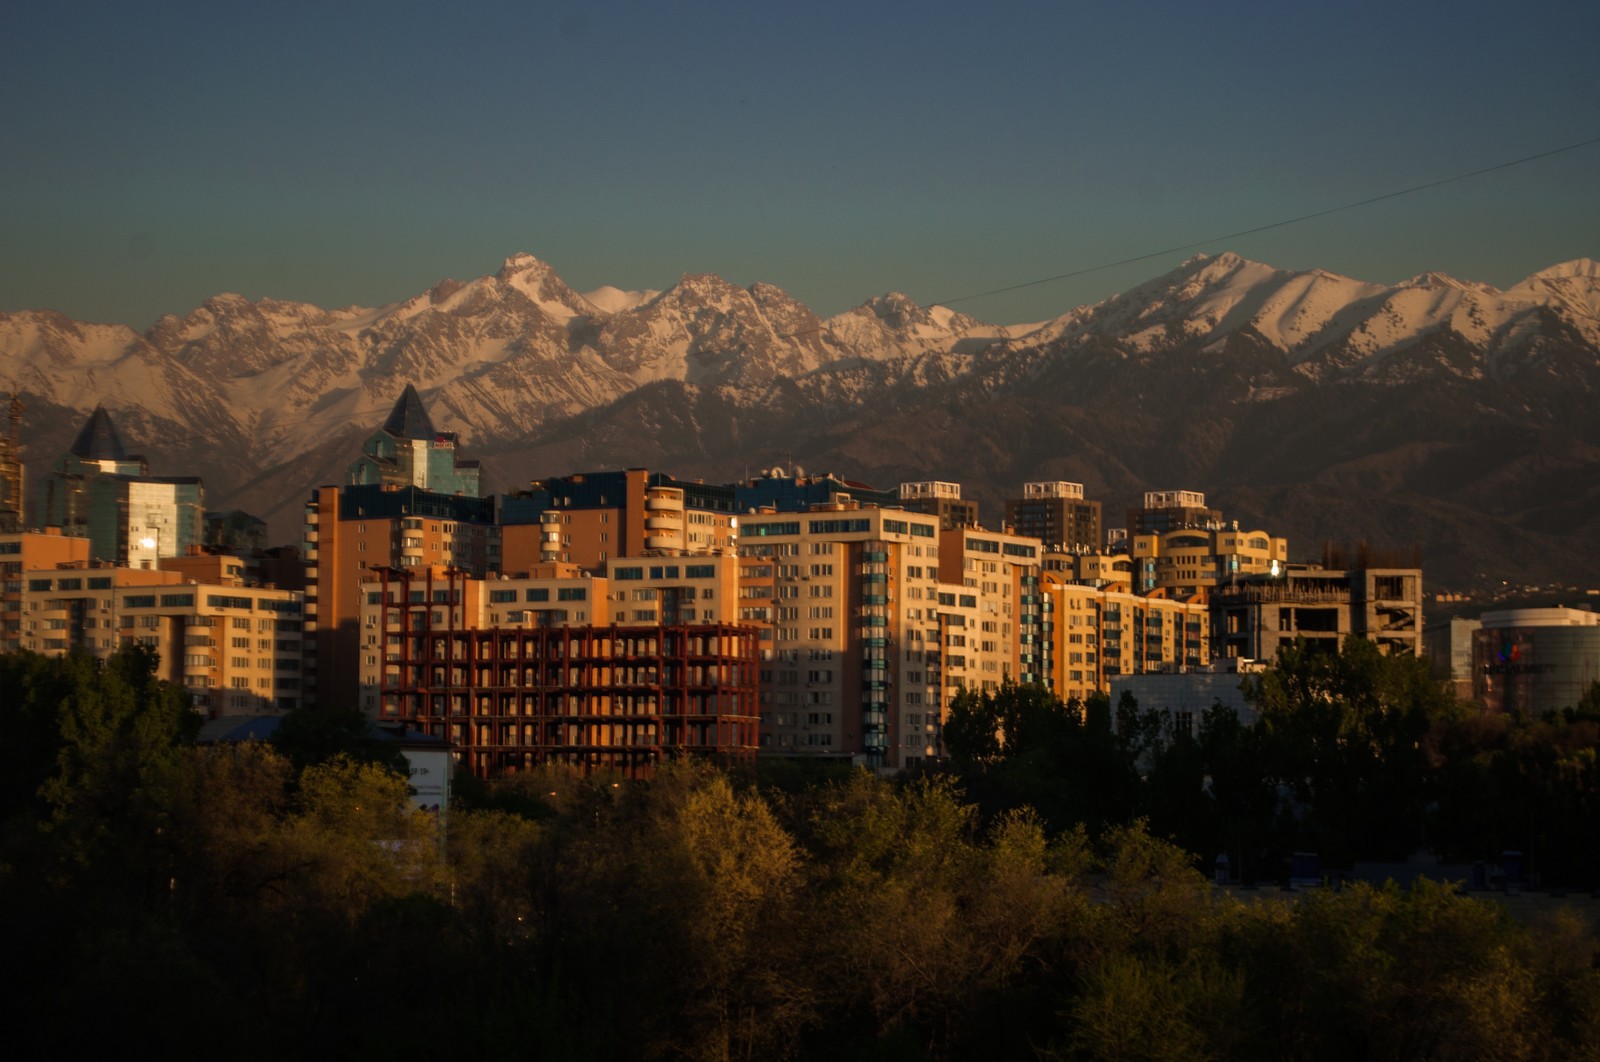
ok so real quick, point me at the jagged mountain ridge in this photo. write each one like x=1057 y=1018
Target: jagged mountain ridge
x=263 y=398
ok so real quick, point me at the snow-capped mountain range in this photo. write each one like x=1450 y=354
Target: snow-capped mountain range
x=258 y=392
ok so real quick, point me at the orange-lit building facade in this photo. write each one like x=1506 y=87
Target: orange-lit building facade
x=235 y=647
x=351 y=531
x=613 y=697
x=23 y=551
x=1095 y=634
x=591 y=518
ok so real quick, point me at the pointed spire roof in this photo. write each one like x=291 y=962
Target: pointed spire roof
x=408 y=419
x=98 y=441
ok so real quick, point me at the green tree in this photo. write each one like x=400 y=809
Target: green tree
x=1345 y=732
x=309 y=736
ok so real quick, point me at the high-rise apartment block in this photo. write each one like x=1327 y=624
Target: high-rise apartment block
x=854 y=662
x=11 y=494
x=942 y=500
x=998 y=573
x=386 y=523
x=352 y=530
x=1056 y=514
x=1095 y=634
x=589 y=518
x=1170 y=510
x=28 y=551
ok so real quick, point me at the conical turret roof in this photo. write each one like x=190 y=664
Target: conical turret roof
x=408 y=419
x=98 y=441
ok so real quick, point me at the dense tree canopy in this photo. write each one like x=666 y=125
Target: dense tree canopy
x=237 y=901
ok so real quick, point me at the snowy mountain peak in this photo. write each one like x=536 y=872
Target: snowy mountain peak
x=537 y=280
x=704 y=287
x=1435 y=280
x=1578 y=267
x=608 y=299
x=893 y=304
x=521 y=262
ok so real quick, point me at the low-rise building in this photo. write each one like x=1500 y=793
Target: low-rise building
x=1528 y=661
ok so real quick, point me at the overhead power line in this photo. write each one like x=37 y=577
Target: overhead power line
x=1274 y=224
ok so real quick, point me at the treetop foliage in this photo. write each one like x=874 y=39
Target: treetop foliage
x=238 y=899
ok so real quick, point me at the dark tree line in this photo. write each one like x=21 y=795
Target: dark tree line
x=1355 y=756
x=253 y=901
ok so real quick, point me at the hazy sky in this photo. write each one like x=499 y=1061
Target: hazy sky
x=153 y=154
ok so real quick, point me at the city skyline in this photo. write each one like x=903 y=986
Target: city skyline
x=155 y=158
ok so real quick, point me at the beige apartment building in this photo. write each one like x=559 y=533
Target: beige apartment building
x=1096 y=634
x=235 y=648
x=1000 y=571
x=26 y=551
x=852 y=669
x=1187 y=560
x=1090 y=567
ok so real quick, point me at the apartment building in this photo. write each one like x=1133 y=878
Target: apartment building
x=1057 y=514
x=236 y=648
x=11 y=470
x=942 y=500
x=1171 y=510
x=27 y=551
x=1186 y=560
x=350 y=531
x=853 y=669
x=589 y=518
x=1090 y=567
x=1095 y=634
x=997 y=573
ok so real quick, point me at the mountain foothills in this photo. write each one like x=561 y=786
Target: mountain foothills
x=1436 y=413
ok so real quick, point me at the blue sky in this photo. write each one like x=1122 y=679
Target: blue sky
x=151 y=155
